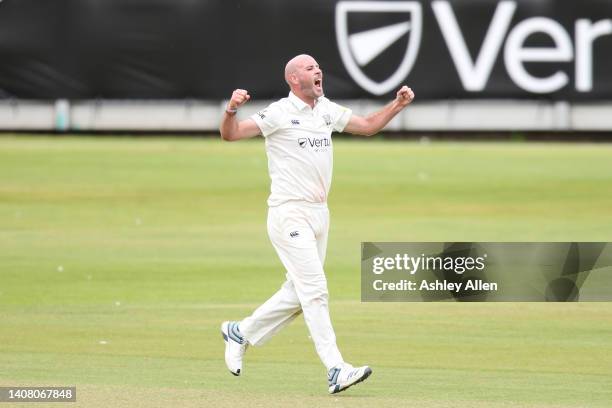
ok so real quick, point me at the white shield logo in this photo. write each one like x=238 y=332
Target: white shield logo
x=359 y=49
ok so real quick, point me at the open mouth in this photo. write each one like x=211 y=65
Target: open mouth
x=318 y=82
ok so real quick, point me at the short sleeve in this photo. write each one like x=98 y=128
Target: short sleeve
x=269 y=119
x=341 y=116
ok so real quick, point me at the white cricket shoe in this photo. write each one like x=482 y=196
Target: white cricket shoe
x=235 y=346
x=345 y=375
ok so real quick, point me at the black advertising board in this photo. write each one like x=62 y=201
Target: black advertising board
x=177 y=49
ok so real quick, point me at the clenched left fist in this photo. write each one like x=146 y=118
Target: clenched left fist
x=404 y=96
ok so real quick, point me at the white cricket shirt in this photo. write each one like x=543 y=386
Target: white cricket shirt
x=299 y=147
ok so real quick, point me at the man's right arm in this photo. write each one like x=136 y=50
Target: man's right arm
x=231 y=129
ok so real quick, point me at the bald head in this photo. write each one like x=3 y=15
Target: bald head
x=296 y=63
x=305 y=78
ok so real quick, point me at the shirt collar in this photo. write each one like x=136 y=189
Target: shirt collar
x=300 y=104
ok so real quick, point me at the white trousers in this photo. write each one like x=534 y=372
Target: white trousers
x=298 y=232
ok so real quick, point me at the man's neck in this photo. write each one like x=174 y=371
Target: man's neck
x=308 y=101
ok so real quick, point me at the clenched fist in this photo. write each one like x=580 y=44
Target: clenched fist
x=239 y=97
x=404 y=96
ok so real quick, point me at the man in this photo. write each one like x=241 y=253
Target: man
x=299 y=148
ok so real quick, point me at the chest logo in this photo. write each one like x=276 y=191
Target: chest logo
x=327 y=119
x=318 y=144
x=295 y=122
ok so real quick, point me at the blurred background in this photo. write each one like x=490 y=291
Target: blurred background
x=161 y=65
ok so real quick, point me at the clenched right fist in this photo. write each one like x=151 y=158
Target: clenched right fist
x=239 y=97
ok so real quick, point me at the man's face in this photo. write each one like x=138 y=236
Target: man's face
x=310 y=77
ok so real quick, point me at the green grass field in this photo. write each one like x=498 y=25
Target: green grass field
x=120 y=257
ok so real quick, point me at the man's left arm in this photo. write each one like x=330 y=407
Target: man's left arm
x=374 y=122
